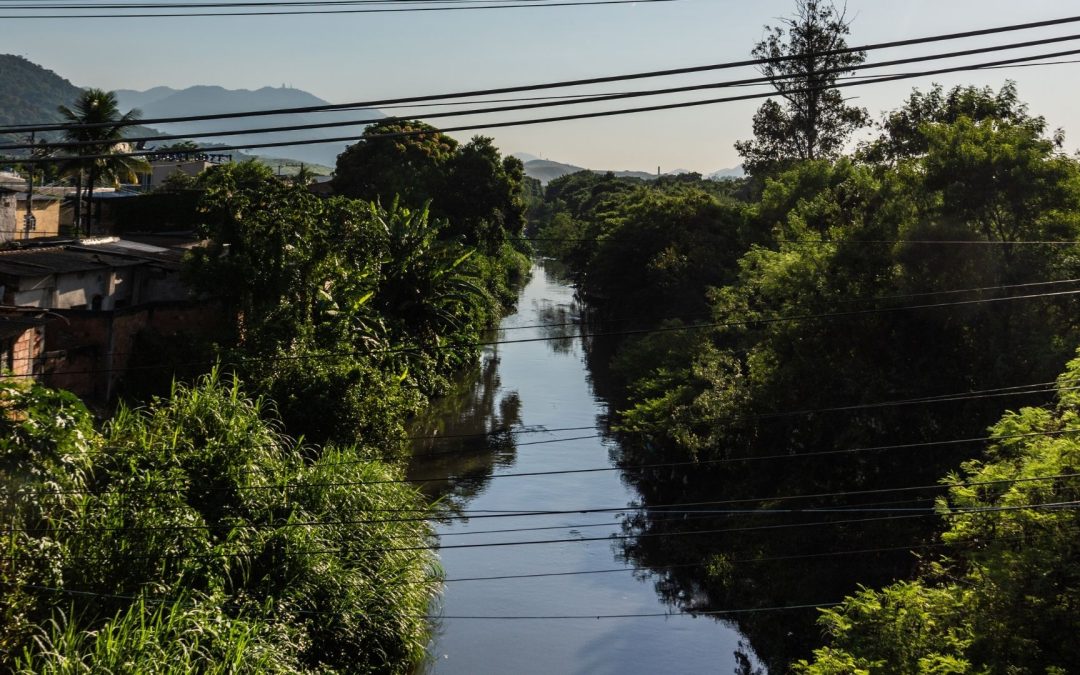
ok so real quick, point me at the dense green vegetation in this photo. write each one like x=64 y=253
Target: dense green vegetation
x=1005 y=598
x=476 y=190
x=192 y=535
x=831 y=287
x=194 y=531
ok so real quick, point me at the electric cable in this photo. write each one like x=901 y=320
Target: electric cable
x=543 y=104
x=559 y=84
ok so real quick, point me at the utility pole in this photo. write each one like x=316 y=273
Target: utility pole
x=29 y=221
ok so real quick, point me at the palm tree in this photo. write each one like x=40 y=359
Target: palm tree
x=99 y=108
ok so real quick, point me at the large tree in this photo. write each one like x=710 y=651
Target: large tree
x=805 y=55
x=473 y=187
x=97 y=122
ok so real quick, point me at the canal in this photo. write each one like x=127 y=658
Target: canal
x=531 y=406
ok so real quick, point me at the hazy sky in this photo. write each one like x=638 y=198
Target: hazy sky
x=355 y=57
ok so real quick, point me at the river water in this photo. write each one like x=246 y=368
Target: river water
x=538 y=387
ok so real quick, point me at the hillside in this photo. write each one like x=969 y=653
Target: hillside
x=30 y=93
x=546 y=170
x=199 y=100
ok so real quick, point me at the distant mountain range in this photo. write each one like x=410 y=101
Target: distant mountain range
x=200 y=100
x=30 y=93
x=546 y=170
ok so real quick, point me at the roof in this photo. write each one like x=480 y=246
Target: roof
x=39 y=262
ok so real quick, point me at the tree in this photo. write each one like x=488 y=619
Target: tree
x=484 y=197
x=403 y=159
x=904 y=131
x=1004 y=597
x=472 y=186
x=805 y=58
x=99 y=107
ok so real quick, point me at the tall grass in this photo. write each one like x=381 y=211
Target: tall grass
x=182 y=533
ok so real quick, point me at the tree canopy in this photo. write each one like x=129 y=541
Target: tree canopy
x=476 y=190
x=806 y=54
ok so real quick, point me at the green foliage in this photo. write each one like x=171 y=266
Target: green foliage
x=814 y=121
x=194 y=531
x=903 y=130
x=348 y=298
x=471 y=186
x=383 y=166
x=102 y=159
x=1005 y=600
x=811 y=284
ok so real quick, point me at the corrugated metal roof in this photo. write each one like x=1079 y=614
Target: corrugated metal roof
x=43 y=261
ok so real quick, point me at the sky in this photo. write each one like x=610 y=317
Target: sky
x=356 y=57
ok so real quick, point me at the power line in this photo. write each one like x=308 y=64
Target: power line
x=554 y=85
x=567 y=117
x=576 y=100
x=601 y=334
x=487 y=618
x=653 y=318
x=697 y=507
x=978 y=394
x=365 y=10
x=1060 y=506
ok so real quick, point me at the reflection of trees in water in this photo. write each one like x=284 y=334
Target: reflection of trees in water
x=560 y=324
x=766 y=565
x=466 y=435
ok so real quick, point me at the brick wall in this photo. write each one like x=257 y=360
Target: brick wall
x=88 y=352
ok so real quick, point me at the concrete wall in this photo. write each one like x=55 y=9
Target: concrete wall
x=89 y=352
x=77 y=290
x=8 y=221
x=47 y=214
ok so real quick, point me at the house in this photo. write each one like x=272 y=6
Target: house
x=102 y=274
x=108 y=296
x=166 y=164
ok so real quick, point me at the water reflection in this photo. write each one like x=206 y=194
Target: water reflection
x=560 y=324
x=466 y=435
x=530 y=390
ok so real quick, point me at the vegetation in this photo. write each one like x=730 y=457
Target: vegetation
x=477 y=191
x=194 y=535
x=347 y=313
x=193 y=531
x=1004 y=598
x=102 y=158
x=898 y=273
x=806 y=58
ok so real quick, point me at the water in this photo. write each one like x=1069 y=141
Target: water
x=545 y=385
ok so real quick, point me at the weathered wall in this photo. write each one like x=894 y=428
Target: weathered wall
x=8 y=221
x=89 y=352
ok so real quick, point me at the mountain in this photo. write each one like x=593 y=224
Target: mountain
x=200 y=100
x=722 y=174
x=546 y=170
x=30 y=93
x=129 y=98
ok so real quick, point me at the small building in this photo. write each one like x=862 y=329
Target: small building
x=166 y=164
x=103 y=274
